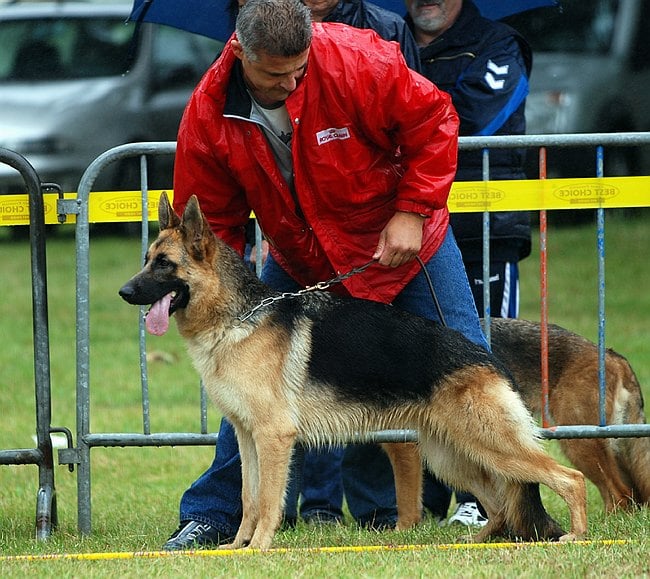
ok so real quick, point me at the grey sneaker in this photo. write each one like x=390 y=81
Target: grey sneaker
x=192 y=535
x=468 y=514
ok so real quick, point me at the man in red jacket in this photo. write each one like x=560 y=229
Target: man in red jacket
x=345 y=155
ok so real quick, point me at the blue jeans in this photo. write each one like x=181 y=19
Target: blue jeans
x=215 y=497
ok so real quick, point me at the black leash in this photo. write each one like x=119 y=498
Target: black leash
x=433 y=292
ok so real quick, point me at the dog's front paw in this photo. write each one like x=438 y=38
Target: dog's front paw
x=236 y=544
x=227 y=547
x=568 y=538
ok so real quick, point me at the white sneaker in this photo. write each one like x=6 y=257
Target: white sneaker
x=469 y=515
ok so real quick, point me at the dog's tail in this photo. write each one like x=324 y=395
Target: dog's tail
x=526 y=517
x=632 y=454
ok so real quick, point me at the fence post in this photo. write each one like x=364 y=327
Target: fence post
x=46 y=512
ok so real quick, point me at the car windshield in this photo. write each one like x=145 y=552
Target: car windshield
x=56 y=49
x=577 y=26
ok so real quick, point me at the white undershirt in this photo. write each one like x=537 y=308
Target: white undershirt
x=278 y=130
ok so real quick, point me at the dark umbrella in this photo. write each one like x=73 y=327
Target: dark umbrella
x=211 y=18
x=215 y=18
x=493 y=9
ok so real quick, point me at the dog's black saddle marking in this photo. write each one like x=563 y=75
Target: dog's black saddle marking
x=378 y=354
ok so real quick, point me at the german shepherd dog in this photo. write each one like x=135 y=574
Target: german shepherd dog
x=620 y=468
x=319 y=369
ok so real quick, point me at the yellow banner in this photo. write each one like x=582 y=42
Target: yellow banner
x=103 y=207
x=608 y=192
x=470 y=196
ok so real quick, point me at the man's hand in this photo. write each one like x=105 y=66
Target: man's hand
x=265 y=252
x=401 y=239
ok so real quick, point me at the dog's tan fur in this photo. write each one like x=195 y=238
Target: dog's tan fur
x=474 y=431
x=620 y=468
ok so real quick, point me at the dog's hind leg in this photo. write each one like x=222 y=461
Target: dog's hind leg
x=568 y=483
x=494 y=435
x=524 y=468
x=634 y=460
x=407 y=470
x=491 y=497
x=597 y=461
x=509 y=494
x=633 y=454
x=574 y=400
x=456 y=469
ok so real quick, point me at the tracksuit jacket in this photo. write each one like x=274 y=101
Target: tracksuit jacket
x=370 y=137
x=485 y=65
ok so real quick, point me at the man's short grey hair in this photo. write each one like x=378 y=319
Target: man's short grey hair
x=275 y=27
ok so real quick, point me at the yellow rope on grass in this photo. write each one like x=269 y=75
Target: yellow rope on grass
x=338 y=549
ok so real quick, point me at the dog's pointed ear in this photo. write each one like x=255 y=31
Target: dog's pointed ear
x=192 y=217
x=167 y=218
x=197 y=230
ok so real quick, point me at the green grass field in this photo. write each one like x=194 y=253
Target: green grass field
x=136 y=490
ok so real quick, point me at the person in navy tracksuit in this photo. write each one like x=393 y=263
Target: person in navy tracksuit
x=485 y=66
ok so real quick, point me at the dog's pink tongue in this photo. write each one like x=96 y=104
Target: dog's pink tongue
x=157 y=320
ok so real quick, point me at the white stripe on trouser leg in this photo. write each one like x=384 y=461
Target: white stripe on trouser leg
x=510 y=298
x=505 y=300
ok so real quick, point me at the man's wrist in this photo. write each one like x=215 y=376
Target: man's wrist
x=422 y=215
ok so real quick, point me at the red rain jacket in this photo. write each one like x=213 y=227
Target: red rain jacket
x=371 y=137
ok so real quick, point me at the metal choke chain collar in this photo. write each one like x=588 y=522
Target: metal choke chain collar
x=321 y=285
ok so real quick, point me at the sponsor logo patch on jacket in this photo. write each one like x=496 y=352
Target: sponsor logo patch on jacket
x=332 y=134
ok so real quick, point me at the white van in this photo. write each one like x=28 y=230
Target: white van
x=73 y=84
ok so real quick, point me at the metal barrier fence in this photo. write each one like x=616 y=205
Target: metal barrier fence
x=485 y=196
x=487 y=199
x=42 y=455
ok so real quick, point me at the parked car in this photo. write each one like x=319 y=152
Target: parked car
x=74 y=83
x=591 y=73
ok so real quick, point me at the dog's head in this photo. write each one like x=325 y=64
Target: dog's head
x=163 y=282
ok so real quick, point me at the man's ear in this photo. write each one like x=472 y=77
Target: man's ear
x=237 y=48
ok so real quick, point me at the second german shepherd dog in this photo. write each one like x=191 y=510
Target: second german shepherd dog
x=620 y=468
x=319 y=369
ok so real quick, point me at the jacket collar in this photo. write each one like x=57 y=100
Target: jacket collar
x=238 y=99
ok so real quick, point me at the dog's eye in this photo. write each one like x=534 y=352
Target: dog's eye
x=163 y=262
